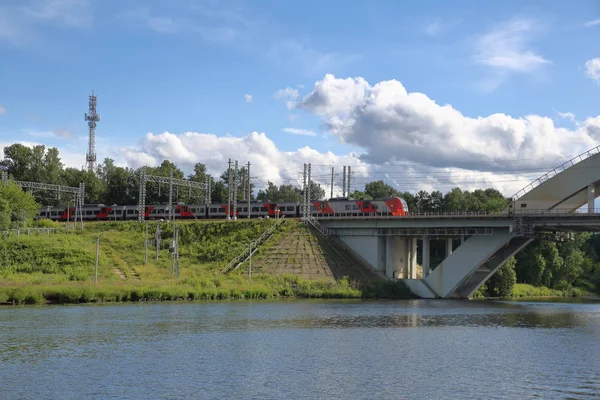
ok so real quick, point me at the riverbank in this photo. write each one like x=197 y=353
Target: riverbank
x=215 y=288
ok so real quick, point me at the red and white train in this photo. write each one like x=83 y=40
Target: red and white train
x=394 y=207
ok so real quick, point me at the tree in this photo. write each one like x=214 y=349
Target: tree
x=501 y=284
x=379 y=189
x=358 y=195
x=18 y=158
x=17 y=208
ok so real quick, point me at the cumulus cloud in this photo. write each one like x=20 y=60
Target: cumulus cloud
x=2 y=110
x=393 y=125
x=506 y=49
x=248 y=98
x=592 y=69
x=301 y=132
x=288 y=95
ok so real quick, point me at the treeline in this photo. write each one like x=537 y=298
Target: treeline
x=560 y=263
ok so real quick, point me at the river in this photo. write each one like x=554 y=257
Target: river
x=422 y=349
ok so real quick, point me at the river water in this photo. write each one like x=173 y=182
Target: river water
x=418 y=349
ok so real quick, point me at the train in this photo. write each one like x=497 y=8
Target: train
x=343 y=207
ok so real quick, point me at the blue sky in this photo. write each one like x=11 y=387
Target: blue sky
x=186 y=66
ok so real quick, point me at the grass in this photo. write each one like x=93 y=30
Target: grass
x=59 y=268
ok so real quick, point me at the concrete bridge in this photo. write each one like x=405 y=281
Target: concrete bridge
x=477 y=244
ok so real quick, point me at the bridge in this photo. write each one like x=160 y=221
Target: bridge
x=477 y=244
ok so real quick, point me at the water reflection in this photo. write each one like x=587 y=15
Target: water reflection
x=307 y=349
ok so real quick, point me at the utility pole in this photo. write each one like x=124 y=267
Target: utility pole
x=249 y=190
x=157 y=239
x=304 y=174
x=146 y=246
x=349 y=177
x=344 y=182
x=175 y=252
x=235 y=180
x=208 y=193
x=332 y=173
x=97 y=251
x=229 y=191
x=250 y=262
x=171 y=211
x=308 y=190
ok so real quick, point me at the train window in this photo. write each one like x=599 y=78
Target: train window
x=255 y=209
x=213 y=210
x=348 y=207
x=245 y=209
x=178 y=211
x=355 y=207
x=43 y=214
x=119 y=212
x=111 y=212
x=96 y=212
x=263 y=209
x=313 y=208
x=201 y=210
x=193 y=210
x=375 y=206
x=289 y=208
x=54 y=213
x=129 y=211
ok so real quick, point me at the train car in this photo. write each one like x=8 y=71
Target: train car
x=394 y=207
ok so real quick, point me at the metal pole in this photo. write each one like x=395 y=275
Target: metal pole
x=177 y=252
x=171 y=211
x=308 y=198
x=349 y=176
x=229 y=190
x=332 y=173
x=157 y=238
x=250 y=263
x=235 y=180
x=304 y=192
x=142 y=195
x=97 y=251
x=146 y=246
x=249 y=190
x=344 y=183
x=81 y=200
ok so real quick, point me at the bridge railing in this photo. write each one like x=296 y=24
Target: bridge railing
x=556 y=171
x=467 y=214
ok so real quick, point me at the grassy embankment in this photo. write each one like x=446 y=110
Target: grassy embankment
x=59 y=268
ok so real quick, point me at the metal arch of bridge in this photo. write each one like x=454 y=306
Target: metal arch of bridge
x=144 y=178
x=79 y=192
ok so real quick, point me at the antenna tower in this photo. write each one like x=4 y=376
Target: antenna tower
x=92 y=118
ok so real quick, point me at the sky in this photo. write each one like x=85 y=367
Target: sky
x=426 y=95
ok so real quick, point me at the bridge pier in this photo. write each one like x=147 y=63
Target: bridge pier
x=449 y=243
x=426 y=255
x=591 y=196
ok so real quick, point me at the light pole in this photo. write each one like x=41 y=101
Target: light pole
x=250 y=261
x=97 y=249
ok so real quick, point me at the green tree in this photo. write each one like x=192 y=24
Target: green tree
x=17 y=208
x=379 y=189
x=501 y=284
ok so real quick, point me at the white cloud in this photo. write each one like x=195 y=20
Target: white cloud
x=566 y=115
x=392 y=125
x=248 y=98
x=289 y=95
x=2 y=110
x=20 y=24
x=592 y=23
x=301 y=132
x=592 y=69
x=506 y=50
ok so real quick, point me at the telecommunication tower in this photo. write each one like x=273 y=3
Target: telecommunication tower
x=92 y=118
